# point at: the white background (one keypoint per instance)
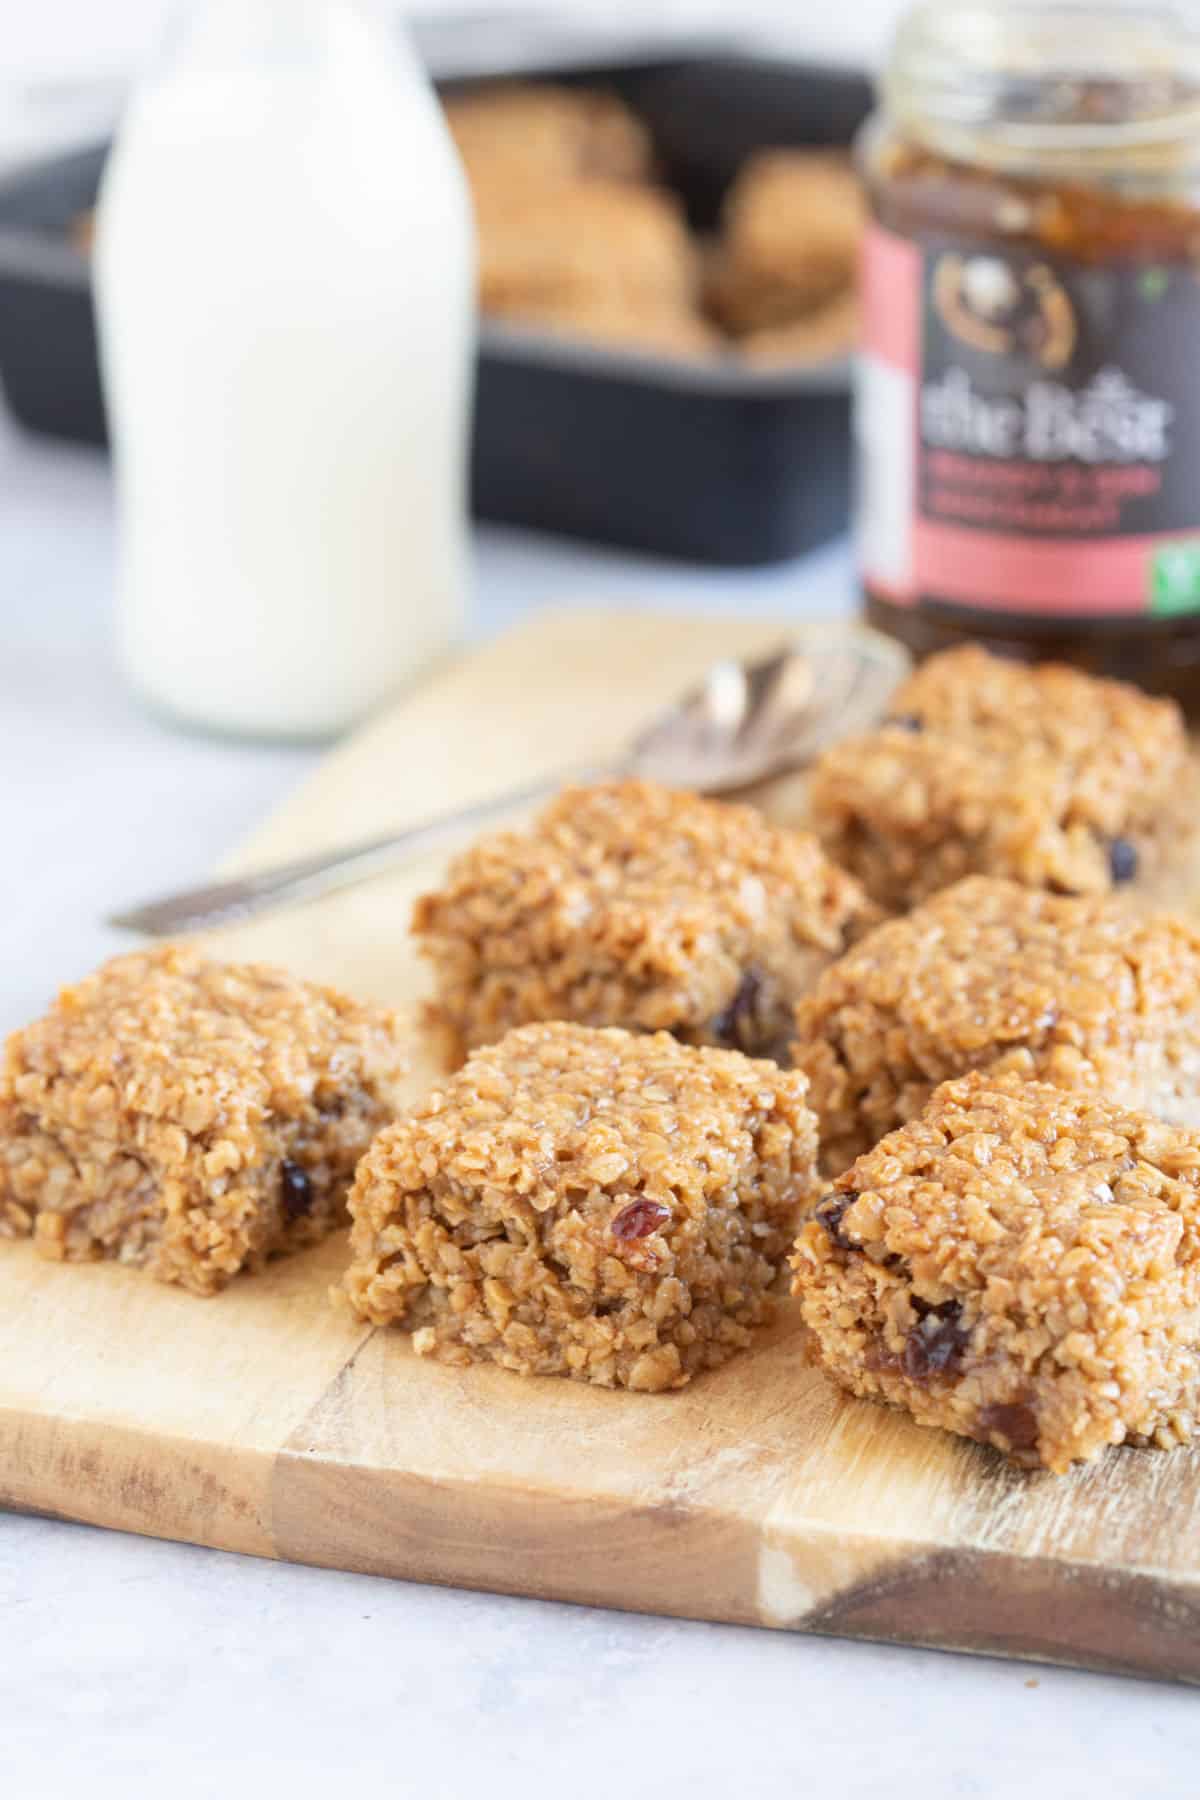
(54, 52)
(129, 1667)
(52, 38)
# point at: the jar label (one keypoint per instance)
(1029, 431)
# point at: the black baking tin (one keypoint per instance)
(701, 459)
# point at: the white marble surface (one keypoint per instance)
(129, 1667)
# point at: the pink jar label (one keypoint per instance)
(1029, 431)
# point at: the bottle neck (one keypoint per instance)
(270, 33)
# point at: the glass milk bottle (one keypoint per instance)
(285, 295)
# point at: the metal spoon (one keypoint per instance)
(745, 722)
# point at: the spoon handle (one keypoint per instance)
(308, 877)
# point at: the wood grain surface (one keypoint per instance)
(268, 1420)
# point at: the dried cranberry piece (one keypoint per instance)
(936, 1346)
(831, 1211)
(1013, 1419)
(1122, 859)
(640, 1218)
(736, 1024)
(297, 1190)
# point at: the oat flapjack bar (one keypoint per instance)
(598, 1204)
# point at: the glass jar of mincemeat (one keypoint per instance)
(1029, 402)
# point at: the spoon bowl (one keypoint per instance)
(743, 724)
(748, 722)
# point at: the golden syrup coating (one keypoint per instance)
(190, 1116)
(985, 766)
(988, 974)
(635, 905)
(1018, 1265)
(596, 1204)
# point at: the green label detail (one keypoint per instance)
(1175, 578)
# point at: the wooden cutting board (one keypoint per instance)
(268, 1421)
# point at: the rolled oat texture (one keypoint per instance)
(591, 1203)
(632, 905)
(1017, 1265)
(992, 975)
(1048, 776)
(189, 1116)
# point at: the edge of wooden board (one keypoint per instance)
(711, 1565)
(688, 1557)
(758, 1495)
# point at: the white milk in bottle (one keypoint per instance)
(285, 293)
